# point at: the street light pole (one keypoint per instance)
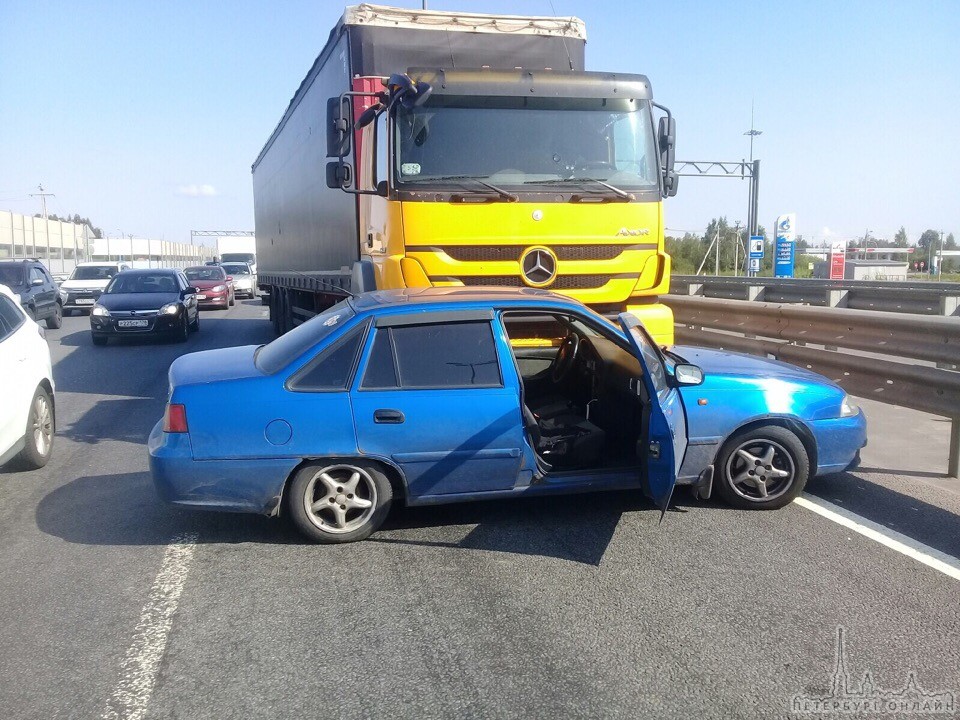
(752, 132)
(940, 259)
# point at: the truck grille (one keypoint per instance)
(500, 253)
(562, 282)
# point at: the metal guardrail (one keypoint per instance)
(783, 331)
(917, 298)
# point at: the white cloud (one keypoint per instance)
(196, 190)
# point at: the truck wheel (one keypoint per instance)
(264, 299)
(56, 320)
(40, 429)
(338, 503)
(762, 469)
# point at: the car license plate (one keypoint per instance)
(84, 301)
(132, 323)
(201, 297)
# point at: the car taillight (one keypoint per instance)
(175, 418)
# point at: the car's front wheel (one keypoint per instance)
(340, 502)
(762, 469)
(38, 441)
(55, 320)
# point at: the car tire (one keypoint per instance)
(183, 333)
(762, 469)
(41, 428)
(320, 501)
(232, 301)
(100, 340)
(195, 325)
(56, 320)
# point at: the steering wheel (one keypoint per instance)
(563, 363)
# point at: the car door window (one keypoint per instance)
(381, 372)
(446, 355)
(332, 369)
(35, 273)
(652, 360)
(10, 317)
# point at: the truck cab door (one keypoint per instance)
(666, 440)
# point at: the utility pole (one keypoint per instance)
(736, 251)
(752, 132)
(43, 199)
(940, 259)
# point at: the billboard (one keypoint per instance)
(783, 253)
(838, 257)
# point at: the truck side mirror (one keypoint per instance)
(338, 127)
(667, 140)
(339, 174)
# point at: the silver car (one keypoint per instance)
(244, 281)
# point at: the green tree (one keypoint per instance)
(900, 239)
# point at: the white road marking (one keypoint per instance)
(904, 545)
(138, 672)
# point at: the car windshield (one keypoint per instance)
(523, 142)
(142, 283)
(11, 275)
(289, 346)
(212, 272)
(235, 269)
(93, 272)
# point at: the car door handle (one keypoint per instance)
(388, 417)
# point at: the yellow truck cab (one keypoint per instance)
(506, 165)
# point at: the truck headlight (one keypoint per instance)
(847, 408)
(170, 309)
(99, 311)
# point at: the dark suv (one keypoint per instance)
(38, 292)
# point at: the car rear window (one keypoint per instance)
(285, 349)
(11, 275)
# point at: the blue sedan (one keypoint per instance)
(436, 395)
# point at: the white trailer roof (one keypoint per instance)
(385, 16)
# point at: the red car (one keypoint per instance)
(215, 286)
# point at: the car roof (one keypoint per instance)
(453, 298)
(151, 271)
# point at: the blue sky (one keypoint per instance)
(146, 116)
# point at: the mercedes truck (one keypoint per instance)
(428, 148)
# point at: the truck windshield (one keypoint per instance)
(524, 142)
(238, 257)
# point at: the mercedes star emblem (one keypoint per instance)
(539, 266)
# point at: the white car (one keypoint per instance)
(27, 420)
(244, 278)
(85, 284)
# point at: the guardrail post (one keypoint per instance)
(837, 298)
(756, 292)
(949, 304)
(953, 465)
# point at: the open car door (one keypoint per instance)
(667, 425)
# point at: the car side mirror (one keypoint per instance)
(188, 291)
(688, 375)
(37, 281)
(229, 278)
(667, 141)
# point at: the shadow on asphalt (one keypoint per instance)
(123, 509)
(926, 523)
(124, 419)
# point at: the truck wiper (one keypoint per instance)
(508, 196)
(580, 182)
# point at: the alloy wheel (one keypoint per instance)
(340, 498)
(760, 470)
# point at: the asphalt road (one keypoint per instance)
(579, 606)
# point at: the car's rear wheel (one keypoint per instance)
(339, 502)
(762, 469)
(38, 441)
(56, 320)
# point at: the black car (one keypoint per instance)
(145, 302)
(39, 294)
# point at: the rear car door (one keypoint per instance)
(14, 372)
(667, 426)
(431, 397)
